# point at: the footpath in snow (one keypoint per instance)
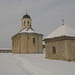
(34, 64)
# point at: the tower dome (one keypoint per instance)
(26, 16)
(26, 21)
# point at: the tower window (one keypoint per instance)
(28, 23)
(33, 40)
(24, 23)
(53, 50)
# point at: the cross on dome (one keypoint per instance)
(26, 11)
(62, 21)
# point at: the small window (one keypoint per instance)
(28, 23)
(53, 50)
(33, 40)
(28, 38)
(24, 23)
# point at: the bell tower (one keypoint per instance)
(26, 21)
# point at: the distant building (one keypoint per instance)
(60, 44)
(27, 40)
(5, 50)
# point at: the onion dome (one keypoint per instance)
(26, 16)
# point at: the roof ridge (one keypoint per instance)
(61, 31)
(30, 28)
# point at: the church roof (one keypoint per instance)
(29, 30)
(26, 16)
(63, 30)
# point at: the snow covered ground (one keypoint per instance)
(34, 64)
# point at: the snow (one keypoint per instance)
(5, 48)
(23, 30)
(33, 64)
(29, 30)
(61, 31)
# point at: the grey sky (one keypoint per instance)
(46, 16)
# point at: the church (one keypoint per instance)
(27, 40)
(60, 44)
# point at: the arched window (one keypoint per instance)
(24, 23)
(53, 50)
(28, 23)
(33, 40)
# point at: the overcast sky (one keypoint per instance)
(46, 16)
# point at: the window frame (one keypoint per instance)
(33, 40)
(28, 23)
(24, 23)
(53, 50)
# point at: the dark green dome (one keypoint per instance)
(26, 16)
